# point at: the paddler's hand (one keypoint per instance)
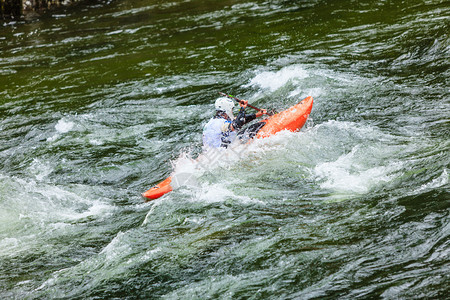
(243, 103)
(261, 112)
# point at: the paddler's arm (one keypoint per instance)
(261, 112)
(242, 119)
(251, 117)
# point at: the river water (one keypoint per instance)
(101, 101)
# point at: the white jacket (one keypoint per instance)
(217, 133)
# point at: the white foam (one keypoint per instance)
(96, 208)
(436, 183)
(112, 249)
(40, 169)
(49, 204)
(8, 245)
(349, 174)
(214, 193)
(301, 93)
(187, 169)
(53, 138)
(218, 192)
(150, 253)
(61, 127)
(64, 126)
(96, 142)
(275, 80)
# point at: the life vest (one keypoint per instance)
(217, 133)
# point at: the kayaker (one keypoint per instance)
(222, 129)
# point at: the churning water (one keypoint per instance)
(101, 101)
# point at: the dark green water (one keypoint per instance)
(100, 102)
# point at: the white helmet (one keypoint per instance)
(226, 105)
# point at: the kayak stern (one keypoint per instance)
(158, 190)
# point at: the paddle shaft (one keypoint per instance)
(239, 101)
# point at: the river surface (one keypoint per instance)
(101, 101)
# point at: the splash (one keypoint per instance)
(349, 174)
(64, 126)
(275, 80)
(442, 180)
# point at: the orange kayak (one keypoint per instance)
(158, 190)
(291, 119)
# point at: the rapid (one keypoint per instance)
(101, 101)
